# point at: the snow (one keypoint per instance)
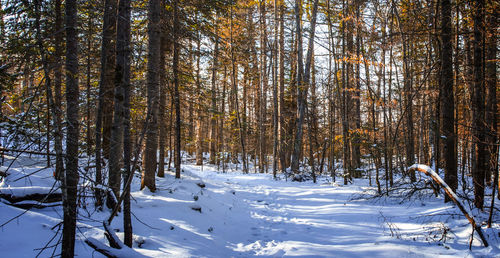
(247, 215)
(28, 190)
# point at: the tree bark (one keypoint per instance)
(153, 84)
(70, 181)
(347, 167)
(235, 93)
(357, 99)
(275, 91)
(478, 106)
(303, 78)
(104, 119)
(57, 90)
(213, 93)
(491, 87)
(448, 101)
(281, 115)
(123, 54)
(175, 67)
(263, 87)
(163, 94)
(199, 106)
(106, 89)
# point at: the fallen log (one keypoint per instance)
(429, 172)
(113, 239)
(101, 248)
(40, 194)
(36, 205)
(28, 152)
(39, 197)
(125, 252)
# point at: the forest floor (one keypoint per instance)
(242, 215)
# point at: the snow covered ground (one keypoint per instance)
(245, 215)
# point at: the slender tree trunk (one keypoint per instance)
(491, 87)
(163, 93)
(281, 114)
(199, 106)
(70, 181)
(221, 145)
(88, 81)
(103, 121)
(175, 68)
(153, 83)
(263, 86)
(384, 107)
(390, 131)
(410, 142)
(345, 103)
(106, 89)
(357, 100)
(213, 93)
(235, 93)
(303, 78)
(170, 147)
(297, 146)
(122, 84)
(123, 64)
(275, 91)
(448, 101)
(478, 106)
(57, 90)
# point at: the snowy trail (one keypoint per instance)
(277, 218)
(245, 215)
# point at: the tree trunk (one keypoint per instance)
(235, 93)
(297, 145)
(213, 93)
(104, 117)
(478, 106)
(88, 82)
(122, 83)
(347, 167)
(70, 181)
(357, 99)
(153, 83)
(123, 53)
(491, 87)
(448, 101)
(408, 102)
(107, 72)
(163, 94)
(175, 68)
(275, 91)
(199, 106)
(303, 78)
(57, 90)
(281, 115)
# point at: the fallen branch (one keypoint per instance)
(113, 239)
(39, 197)
(101, 248)
(111, 252)
(27, 151)
(30, 205)
(429, 172)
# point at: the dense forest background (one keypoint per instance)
(299, 88)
